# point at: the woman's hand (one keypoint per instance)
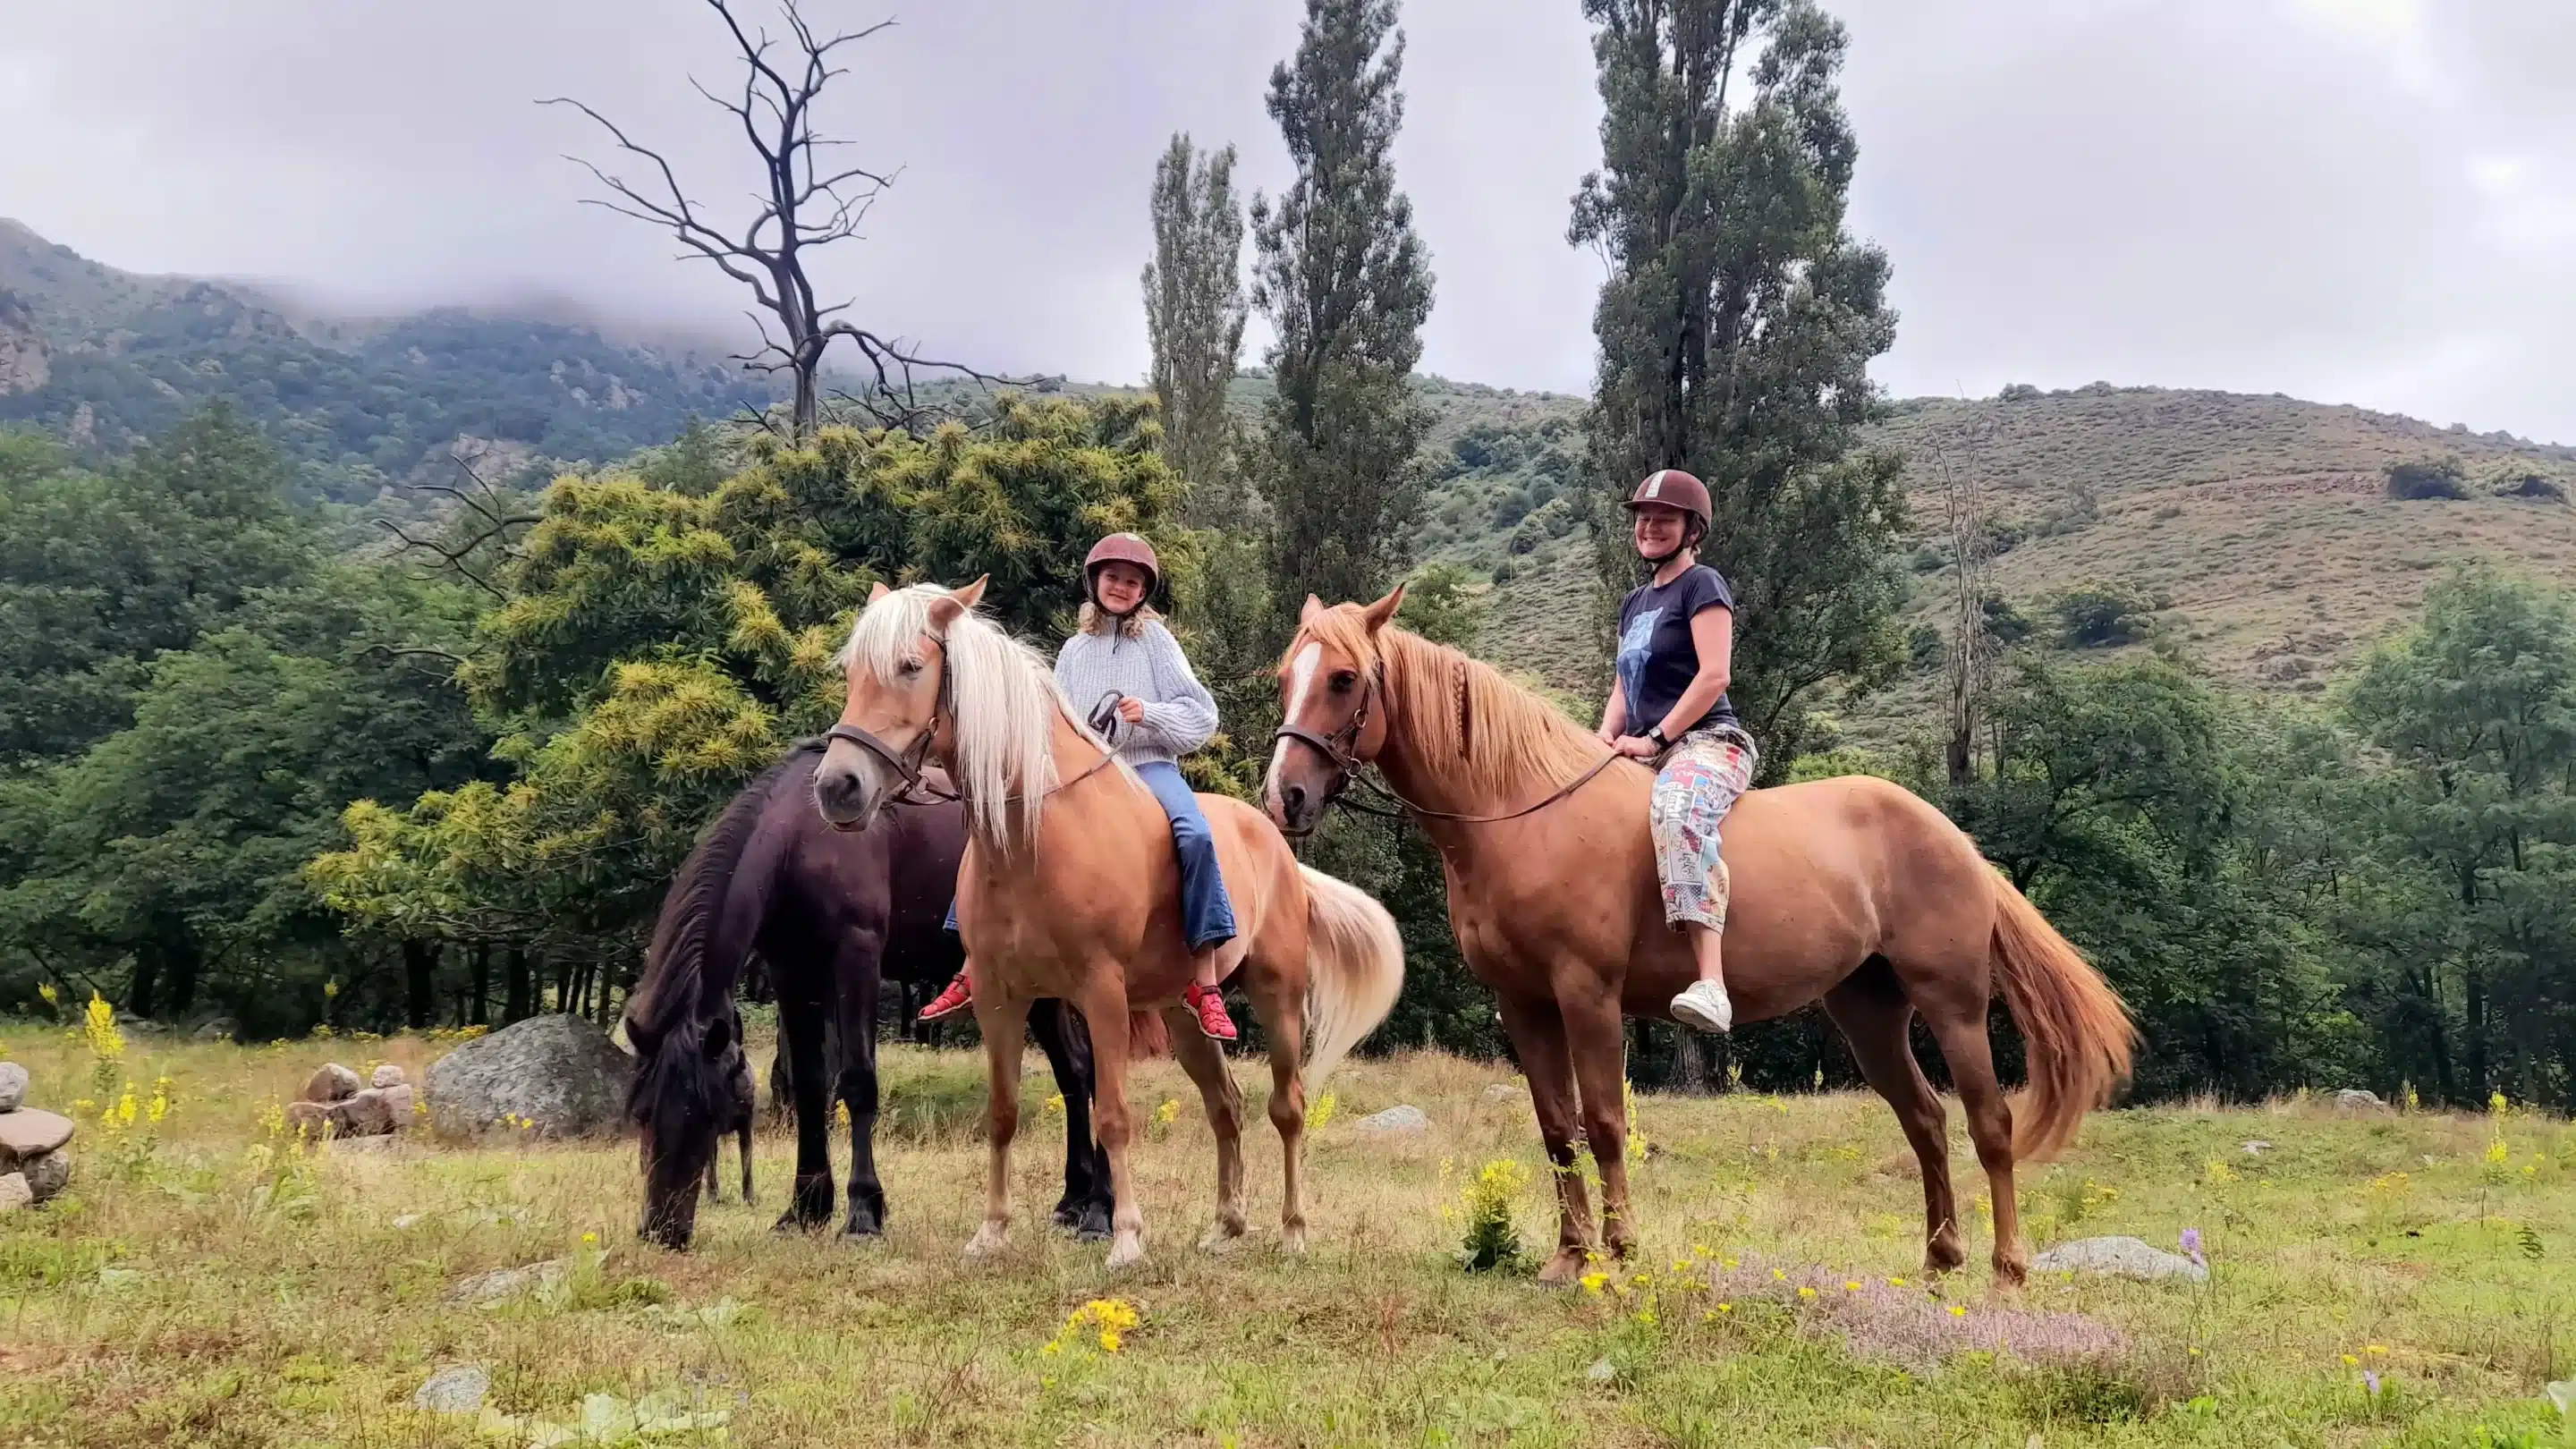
(1636, 747)
(1608, 737)
(1132, 710)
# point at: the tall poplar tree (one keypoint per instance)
(1194, 314)
(1346, 285)
(1736, 330)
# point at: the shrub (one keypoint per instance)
(2532, 485)
(2101, 618)
(1493, 1240)
(2425, 479)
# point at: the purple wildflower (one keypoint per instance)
(2371, 1378)
(2191, 1246)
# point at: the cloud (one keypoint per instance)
(2357, 200)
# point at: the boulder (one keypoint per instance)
(456, 1389)
(13, 1086)
(217, 1028)
(387, 1075)
(2117, 1258)
(15, 1193)
(364, 1115)
(2354, 1099)
(503, 1284)
(29, 1132)
(1403, 1121)
(308, 1118)
(49, 1174)
(1506, 1092)
(332, 1083)
(399, 1100)
(559, 1072)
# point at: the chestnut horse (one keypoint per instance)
(1852, 890)
(1070, 889)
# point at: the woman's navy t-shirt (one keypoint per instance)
(1657, 659)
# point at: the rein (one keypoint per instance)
(1341, 748)
(909, 764)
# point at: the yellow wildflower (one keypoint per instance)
(1319, 1113)
(1804, 1292)
(46, 990)
(1055, 1105)
(1851, 1285)
(1167, 1113)
(1592, 1281)
(2374, 1348)
(1726, 1308)
(2349, 1360)
(1958, 1311)
(1895, 1282)
(590, 1240)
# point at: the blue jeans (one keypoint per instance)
(1207, 913)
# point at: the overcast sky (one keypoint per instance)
(2368, 201)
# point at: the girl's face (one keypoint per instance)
(1120, 587)
(1658, 531)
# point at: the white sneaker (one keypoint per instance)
(1703, 1004)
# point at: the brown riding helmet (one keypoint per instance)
(1673, 488)
(1126, 548)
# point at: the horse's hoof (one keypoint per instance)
(865, 1229)
(1564, 1268)
(987, 1241)
(1093, 1226)
(1128, 1250)
(1292, 1238)
(1066, 1216)
(1221, 1237)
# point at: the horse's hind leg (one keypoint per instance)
(1201, 1058)
(1965, 1046)
(1278, 1000)
(1004, 1022)
(1538, 1036)
(1084, 1208)
(742, 1144)
(1874, 1016)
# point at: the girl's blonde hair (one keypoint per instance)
(1095, 620)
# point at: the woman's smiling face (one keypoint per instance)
(1658, 530)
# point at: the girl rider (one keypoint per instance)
(1676, 643)
(1122, 651)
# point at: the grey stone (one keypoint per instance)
(49, 1174)
(1602, 1371)
(1506, 1092)
(409, 1221)
(502, 1284)
(332, 1082)
(15, 1193)
(2257, 1147)
(30, 1132)
(1400, 1121)
(2117, 1258)
(456, 1389)
(13, 1086)
(387, 1075)
(560, 1072)
(399, 1100)
(217, 1028)
(310, 1119)
(2354, 1099)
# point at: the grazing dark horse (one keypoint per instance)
(830, 913)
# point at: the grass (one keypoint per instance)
(203, 1283)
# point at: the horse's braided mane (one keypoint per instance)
(1467, 722)
(676, 962)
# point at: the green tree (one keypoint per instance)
(1346, 285)
(1194, 316)
(1736, 330)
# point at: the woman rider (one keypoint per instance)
(1122, 652)
(1676, 643)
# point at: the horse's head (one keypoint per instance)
(681, 1098)
(896, 714)
(1332, 702)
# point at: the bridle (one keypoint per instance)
(912, 762)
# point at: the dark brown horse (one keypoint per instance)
(831, 913)
(1849, 891)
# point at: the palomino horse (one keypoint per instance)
(1852, 890)
(1070, 889)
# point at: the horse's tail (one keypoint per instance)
(1354, 970)
(2074, 1024)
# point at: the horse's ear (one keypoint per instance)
(971, 595)
(1383, 610)
(719, 1037)
(879, 591)
(1314, 608)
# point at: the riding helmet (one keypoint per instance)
(1672, 488)
(1126, 548)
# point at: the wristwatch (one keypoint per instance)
(1657, 735)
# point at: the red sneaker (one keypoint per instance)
(1210, 1004)
(959, 995)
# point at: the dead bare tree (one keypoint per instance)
(1971, 655)
(804, 203)
(478, 533)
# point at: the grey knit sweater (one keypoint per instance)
(1179, 712)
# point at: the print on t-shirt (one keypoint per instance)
(1635, 646)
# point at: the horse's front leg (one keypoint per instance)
(1003, 1019)
(809, 1201)
(858, 975)
(1102, 1000)
(1599, 1044)
(1538, 1037)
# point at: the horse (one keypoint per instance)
(1852, 890)
(829, 912)
(1070, 889)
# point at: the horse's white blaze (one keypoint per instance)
(1301, 678)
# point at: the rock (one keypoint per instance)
(332, 1083)
(399, 1100)
(1400, 1121)
(49, 1174)
(13, 1086)
(456, 1389)
(560, 1072)
(311, 1118)
(217, 1028)
(15, 1193)
(1506, 1092)
(2117, 1258)
(2257, 1147)
(409, 1221)
(29, 1132)
(364, 1115)
(1601, 1372)
(387, 1075)
(2354, 1099)
(504, 1283)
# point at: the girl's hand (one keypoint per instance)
(1132, 710)
(1636, 747)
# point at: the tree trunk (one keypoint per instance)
(420, 979)
(143, 993)
(480, 1013)
(1690, 1064)
(515, 1008)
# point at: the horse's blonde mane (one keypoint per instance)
(1004, 700)
(1468, 726)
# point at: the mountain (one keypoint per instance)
(105, 357)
